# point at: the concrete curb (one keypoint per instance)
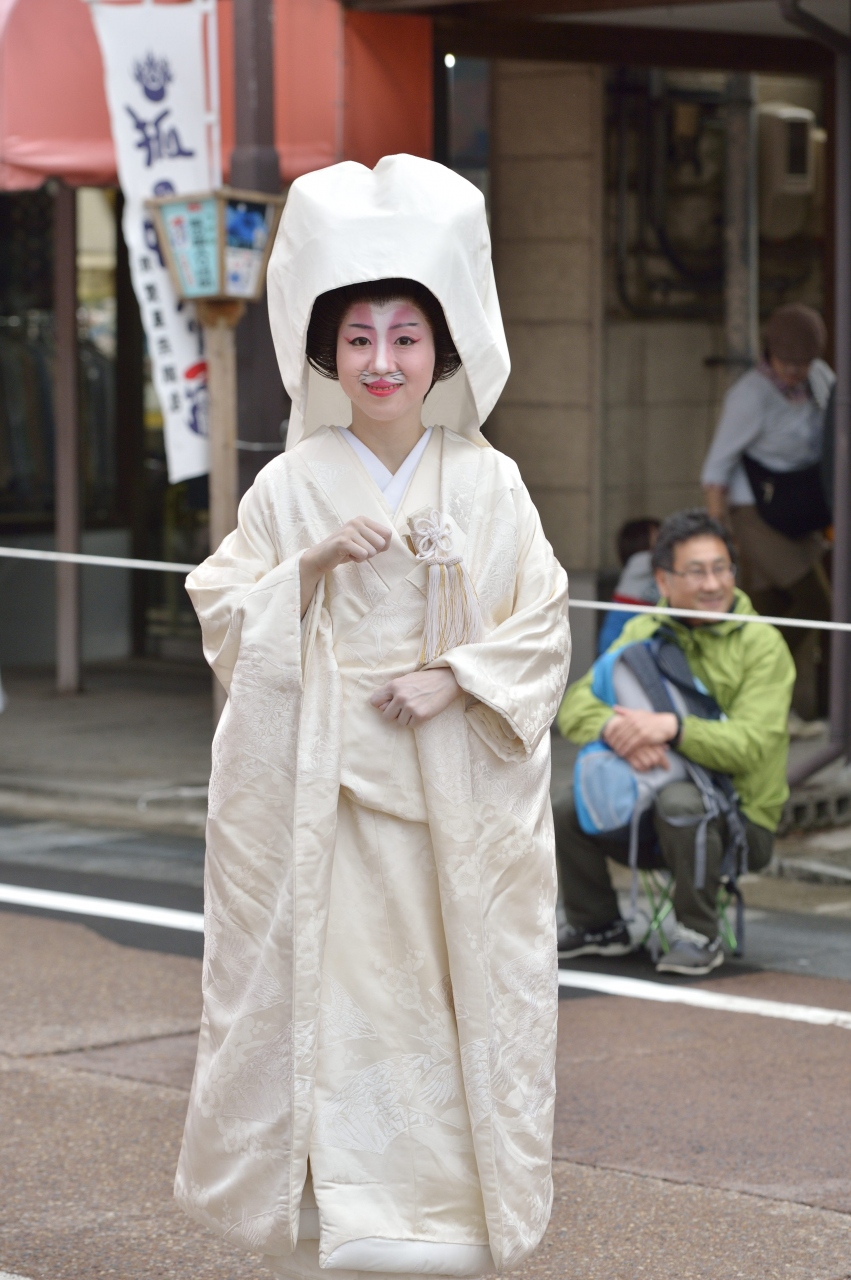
(104, 811)
(813, 870)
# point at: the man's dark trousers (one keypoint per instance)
(590, 900)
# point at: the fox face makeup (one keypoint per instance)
(385, 357)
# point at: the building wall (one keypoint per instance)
(546, 196)
(389, 86)
(546, 201)
(608, 419)
(660, 406)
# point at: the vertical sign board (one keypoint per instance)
(161, 74)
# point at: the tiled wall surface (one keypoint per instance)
(546, 175)
(607, 420)
(660, 406)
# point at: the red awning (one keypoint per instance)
(53, 116)
(353, 86)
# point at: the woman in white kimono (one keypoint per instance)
(375, 1079)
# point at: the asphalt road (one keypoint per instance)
(689, 1143)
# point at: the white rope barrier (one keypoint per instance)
(604, 606)
(109, 562)
(809, 624)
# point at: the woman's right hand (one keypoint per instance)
(358, 540)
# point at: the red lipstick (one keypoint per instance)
(381, 388)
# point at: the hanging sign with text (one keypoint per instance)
(163, 109)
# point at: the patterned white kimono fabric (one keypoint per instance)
(391, 1126)
(374, 1088)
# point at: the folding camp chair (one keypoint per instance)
(658, 886)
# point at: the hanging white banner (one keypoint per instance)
(163, 108)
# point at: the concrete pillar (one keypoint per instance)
(547, 206)
(67, 439)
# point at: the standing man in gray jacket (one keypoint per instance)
(763, 472)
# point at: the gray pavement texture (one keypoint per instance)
(132, 750)
(690, 1145)
(133, 855)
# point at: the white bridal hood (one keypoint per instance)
(406, 217)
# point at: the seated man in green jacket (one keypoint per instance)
(747, 668)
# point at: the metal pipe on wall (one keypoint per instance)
(741, 242)
(67, 438)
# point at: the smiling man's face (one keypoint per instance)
(702, 576)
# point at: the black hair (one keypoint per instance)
(634, 536)
(682, 526)
(330, 308)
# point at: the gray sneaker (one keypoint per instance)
(691, 954)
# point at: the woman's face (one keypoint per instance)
(385, 358)
(790, 372)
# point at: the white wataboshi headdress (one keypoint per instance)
(406, 217)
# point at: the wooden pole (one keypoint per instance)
(219, 320)
(67, 439)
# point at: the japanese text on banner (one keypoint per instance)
(164, 116)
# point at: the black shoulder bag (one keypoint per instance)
(792, 502)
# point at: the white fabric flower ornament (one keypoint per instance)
(432, 537)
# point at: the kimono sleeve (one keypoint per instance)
(234, 583)
(517, 674)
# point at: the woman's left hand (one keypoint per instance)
(417, 697)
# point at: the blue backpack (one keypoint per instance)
(611, 797)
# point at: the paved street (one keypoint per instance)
(133, 750)
(690, 1143)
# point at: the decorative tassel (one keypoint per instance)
(452, 615)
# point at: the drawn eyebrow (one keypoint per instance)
(403, 324)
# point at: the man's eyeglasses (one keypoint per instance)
(697, 574)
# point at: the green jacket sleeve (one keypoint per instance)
(581, 716)
(756, 719)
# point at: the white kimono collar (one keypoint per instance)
(392, 486)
